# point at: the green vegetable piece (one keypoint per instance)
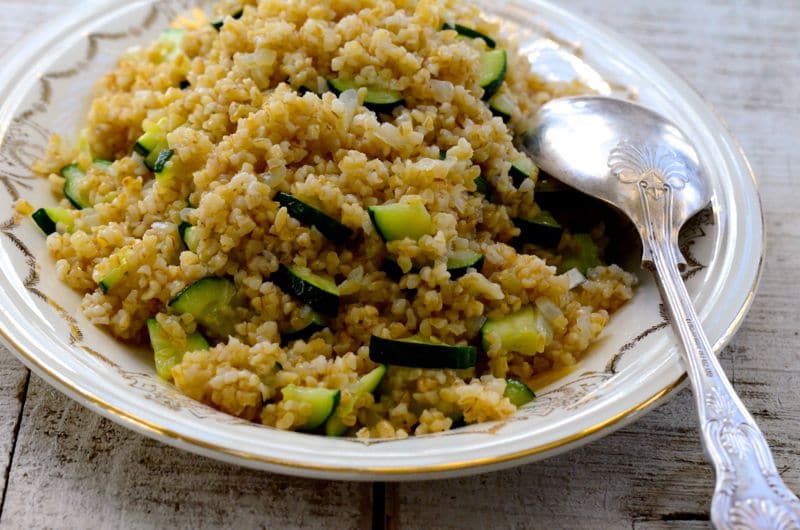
(323, 402)
(166, 353)
(47, 219)
(462, 261)
(482, 186)
(310, 216)
(526, 332)
(116, 275)
(502, 106)
(378, 99)
(518, 393)
(318, 292)
(210, 302)
(542, 230)
(367, 384)
(73, 180)
(314, 324)
(523, 169)
(493, 68)
(402, 220)
(582, 255)
(418, 353)
(188, 234)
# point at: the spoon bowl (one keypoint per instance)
(615, 150)
(641, 163)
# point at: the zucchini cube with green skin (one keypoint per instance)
(74, 178)
(323, 402)
(402, 220)
(115, 276)
(502, 106)
(462, 261)
(365, 385)
(166, 353)
(542, 230)
(523, 169)
(314, 323)
(47, 219)
(318, 292)
(188, 234)
(493, 69)
(310, 216)
(518, 393)
(582, 255)
(415, 352)
(526, 332)
(377, 99)
(210, 302)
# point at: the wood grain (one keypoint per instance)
(73, 469)
(69, 468)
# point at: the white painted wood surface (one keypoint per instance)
(65, 467)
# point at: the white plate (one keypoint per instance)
(44, 88)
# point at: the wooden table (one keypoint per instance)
(65, 467)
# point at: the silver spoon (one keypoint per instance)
(641, 163)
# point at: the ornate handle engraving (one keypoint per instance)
(749, 492)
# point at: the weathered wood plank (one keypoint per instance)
(73, 469)
(742, 57)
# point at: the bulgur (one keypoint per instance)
(245, 112)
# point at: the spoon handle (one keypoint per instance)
(749, 492)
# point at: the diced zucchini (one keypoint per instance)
(518, 393)
(526, 332)
(482, 186)
(167, 354)
(172, 37)
(151, 139)
(442, 154)
(471, 33)
(502, 106)
(116, 275)
(310, 216)
(523, 169)
(402, 220)
(318, 292)
(493, 68)
(463, 260)
(323, 402)
(210, 302)
(378, 99)
(314, 323)
(366, 385)
(418, 353)
(48, 218)
(73, 179)
(542, 230)
(188, 234)
(582, 254)
(218, 23)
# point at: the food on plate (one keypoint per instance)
(318, 216)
